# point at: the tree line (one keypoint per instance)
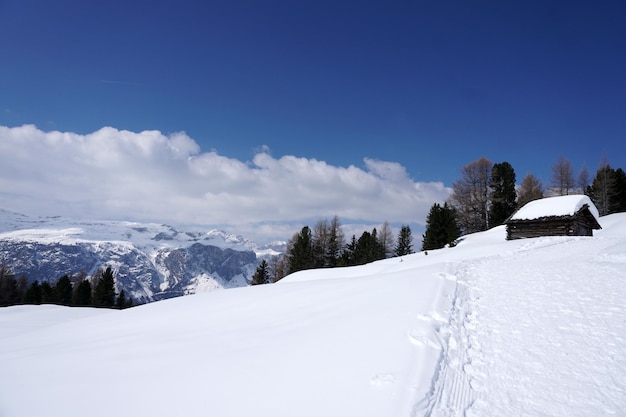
(325, 246)
(79, 290)
(486, 195)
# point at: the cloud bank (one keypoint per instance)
(148, 176)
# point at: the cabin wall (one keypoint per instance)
(561, 227)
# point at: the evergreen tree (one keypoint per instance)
(608, 190)
(9, 294)
(63, 291)
(261, 276)
(82, 294)
(602, 190)
(441, 227)
(48, 296)
(301, 254)
(104, 293)
(22, 287)
(123, 302)
(348, 256)
(503, 194)
(620, 191)
(405, 242)
(367, 249)
(33, 294)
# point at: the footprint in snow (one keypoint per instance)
(419, 337)
(380, 380)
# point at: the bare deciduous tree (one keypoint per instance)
(583, 180)
(530, 189)
(385, 237)
(470, 196)
(563, 176)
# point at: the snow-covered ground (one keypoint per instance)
(533, 327)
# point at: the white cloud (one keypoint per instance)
(118, 174)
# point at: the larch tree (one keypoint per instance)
(563, 176)
(385, 238)
(470, 196)
(530, 189)
(583, 180)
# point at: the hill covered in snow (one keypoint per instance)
(530, 327)
(152, 261)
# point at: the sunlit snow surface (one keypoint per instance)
(532, 327)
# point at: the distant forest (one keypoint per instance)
(80, 291)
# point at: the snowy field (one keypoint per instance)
(533, 327)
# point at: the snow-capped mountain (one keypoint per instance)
(152, 261)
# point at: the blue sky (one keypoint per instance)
(427, 85)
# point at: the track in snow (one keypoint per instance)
(453, 388)
(546, 315)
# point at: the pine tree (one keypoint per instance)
(619, 199)
(503, 193)
(104, 293)
(367, 249)
(301, 253)
(63, 291)
(602, 190)
(9, 294)
(441, 227)
(261, 276)
(608, 190)
(48, 295)
(348, 256)
(405, 242)
(33, 293)
(82, 294)
(123, 302)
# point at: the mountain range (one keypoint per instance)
(151, 261)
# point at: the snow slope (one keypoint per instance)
(491, 327)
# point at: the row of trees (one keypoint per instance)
(99, 291)
(324, 246)
(486, 195)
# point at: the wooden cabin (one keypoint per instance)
(570, 215)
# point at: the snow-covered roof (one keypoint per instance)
(566, 205)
